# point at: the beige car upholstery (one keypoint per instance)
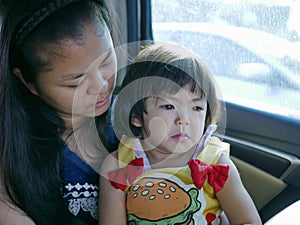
(265, 187)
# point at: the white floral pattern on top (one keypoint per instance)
(82, 197)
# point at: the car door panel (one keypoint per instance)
(271, 161)
(267, 129)
(269, 169)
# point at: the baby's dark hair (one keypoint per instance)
(160, 69)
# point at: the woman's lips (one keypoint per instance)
(102, 102)
(181, 137)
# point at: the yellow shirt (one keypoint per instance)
(169, 195)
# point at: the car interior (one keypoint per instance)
(265, 143)
(263, 132)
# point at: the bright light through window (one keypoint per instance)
(252, 47)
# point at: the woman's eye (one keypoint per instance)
(107, 63)
(77, 84)
(167, 107)
(197, 108)
(74, 86)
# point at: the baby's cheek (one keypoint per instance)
(157, 131)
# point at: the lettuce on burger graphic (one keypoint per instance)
(160, 201)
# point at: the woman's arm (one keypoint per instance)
(12, 216)
(111, 201)
(235, 200)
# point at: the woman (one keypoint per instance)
(58, 69)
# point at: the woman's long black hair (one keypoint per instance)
(30, 130)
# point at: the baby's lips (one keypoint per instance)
(181, 136)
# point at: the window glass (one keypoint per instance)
(251, 46)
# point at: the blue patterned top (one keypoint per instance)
(81, 187)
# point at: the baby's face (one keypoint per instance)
(174, 122)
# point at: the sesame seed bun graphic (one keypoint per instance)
(153, 200)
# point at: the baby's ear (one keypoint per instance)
(135, 121)
(30, 86)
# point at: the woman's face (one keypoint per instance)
(82, 80)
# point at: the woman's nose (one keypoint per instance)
(98, 85)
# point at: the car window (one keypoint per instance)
(212, 50)
(251, 47)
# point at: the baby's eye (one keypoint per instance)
(167, 107)
(197, 108)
